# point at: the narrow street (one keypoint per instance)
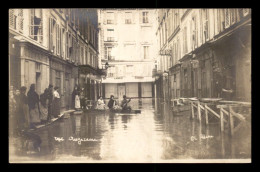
(144, 85)
(154, 135)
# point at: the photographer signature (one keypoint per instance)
(202, 136)
(78, 140)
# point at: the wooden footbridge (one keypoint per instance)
(231, 115)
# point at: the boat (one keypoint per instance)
(133, 111)
(180, 105)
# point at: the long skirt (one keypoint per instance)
(25, 117)
(77, 102)
(44, 112)
(35, 115)
(56, 107)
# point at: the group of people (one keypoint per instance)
(29, 110)
(112, 103)
(78, 98)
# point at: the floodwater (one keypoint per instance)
(154, 135)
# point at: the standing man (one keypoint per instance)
(49, 100)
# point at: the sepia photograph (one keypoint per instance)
(129, 85)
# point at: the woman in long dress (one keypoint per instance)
(56, 103)
(77, 102)
(33, 103)
(74, 93)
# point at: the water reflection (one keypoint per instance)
(155, 134)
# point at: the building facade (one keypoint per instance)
(48, 46)
(128, 44)
(208, 51)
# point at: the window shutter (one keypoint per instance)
(227, 18)
(20, 22)
(51, 34)
(11, 18)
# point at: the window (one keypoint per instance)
(58, 79)
(206, 23)
(185, 48)
(145, 17)
(110, 17)
(128, 18)
(110, 35)
(174, 77)
(129, 70)
(36, 25)
(109, 53)
(194, 32)
(146, 52)
(38, 67)
(58, 43)
(81, 55)
(111, 72)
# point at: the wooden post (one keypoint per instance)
(206, 114)
(192, 110)
(221, 120)
(199, 114)
(231, 123)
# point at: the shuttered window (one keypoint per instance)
(12, 19)
(58, 39)
(227, 18)
(20, 20)
(145, 17)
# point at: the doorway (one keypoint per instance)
(38, 82)
(121, 90)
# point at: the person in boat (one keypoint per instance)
(124, 103)
(100, 103)
(112, 104)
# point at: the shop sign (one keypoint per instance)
(57, 66)
(166, 52)
(35, 55)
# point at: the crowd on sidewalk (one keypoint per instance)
(27, 111)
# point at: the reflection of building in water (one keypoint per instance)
(140, 141)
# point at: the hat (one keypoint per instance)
(23, 88)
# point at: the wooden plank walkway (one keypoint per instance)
(226, 112)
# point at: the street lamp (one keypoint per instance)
(106, 65)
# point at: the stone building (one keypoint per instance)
(47, 46)
(209, 51)
(127, 43)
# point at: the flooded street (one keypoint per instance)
(154, 135)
